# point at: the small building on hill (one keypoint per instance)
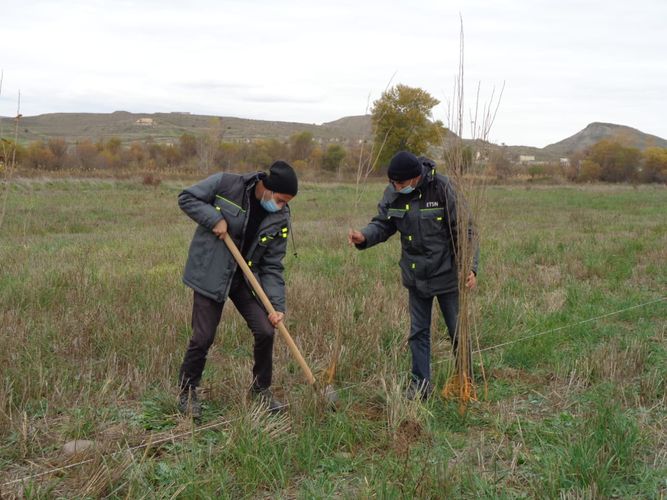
(145, 122)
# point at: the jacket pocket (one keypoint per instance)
(226, 206)
(200, 256)
(398, 213)
(432, 220)
(432, 213)
(401, 218)
(266, 238)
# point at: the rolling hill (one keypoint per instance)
(167, 127)
(597, 131)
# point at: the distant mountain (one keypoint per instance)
(167, 127)
(597, 131)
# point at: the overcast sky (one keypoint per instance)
(564, 63)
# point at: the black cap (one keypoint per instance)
(404, 166)
(281, 179)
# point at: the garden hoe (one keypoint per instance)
(329, 394)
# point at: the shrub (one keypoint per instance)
(654, 167)
(589, 171)
(151, 180)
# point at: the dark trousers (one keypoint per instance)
(206, 315)
(420, 329)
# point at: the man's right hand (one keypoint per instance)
(220, 229)
(355, 237)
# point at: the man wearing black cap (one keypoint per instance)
(421, 206)
(253, 209)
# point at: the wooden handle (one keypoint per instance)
(269, 307)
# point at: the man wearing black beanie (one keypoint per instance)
(421, 205)
(282, 179)
(253, 209)
(404, 166)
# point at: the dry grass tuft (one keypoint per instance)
(548, 276)
(614, 363)
(277, 427)
(555, 300)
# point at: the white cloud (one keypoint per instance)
(564, 63)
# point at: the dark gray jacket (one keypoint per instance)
(210, 266)
(426, 220)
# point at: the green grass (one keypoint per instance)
(94, 322)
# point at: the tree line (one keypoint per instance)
(191, 153)
(401, 119)
(610, 161)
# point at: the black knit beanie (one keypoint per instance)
(404, 166)
(281, 179)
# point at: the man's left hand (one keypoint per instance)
(276, 317)
(471, 281)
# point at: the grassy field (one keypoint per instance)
(94, 321)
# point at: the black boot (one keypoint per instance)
(188, 403)
(264, 396)
(418, 390)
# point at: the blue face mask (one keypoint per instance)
(269, 205)
(405, 190)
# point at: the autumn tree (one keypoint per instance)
(38, 155)
(171, 156)
(84, 154)
(229, 155)
(333, 157)
(572, 168)
(314, 160)
(618, 163)
(277, 150)
(58, 149)
(10, 151)
(654, 165)
(589, 171)
(136, 154)
(500, 163)
(259, 156)
(113, 145)
(207, 145)
(301, 145)
(402, 120)
(187, 143)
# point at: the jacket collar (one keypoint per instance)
(251, 178)
(428, 174)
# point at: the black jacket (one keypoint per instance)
(427, 222)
